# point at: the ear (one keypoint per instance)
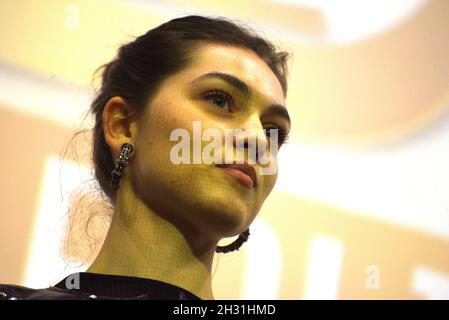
(118, 125)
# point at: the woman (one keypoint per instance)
(168, 217)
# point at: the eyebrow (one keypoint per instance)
(275, 109)
(233, 81)
(279, 110)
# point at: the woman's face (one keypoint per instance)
(202, 197)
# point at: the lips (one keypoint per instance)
(243, 168)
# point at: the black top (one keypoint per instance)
(84, 285)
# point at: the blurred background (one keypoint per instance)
(361, 206)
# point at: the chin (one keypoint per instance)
(221, 216)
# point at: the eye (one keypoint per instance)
(219, 98)
(282, 135)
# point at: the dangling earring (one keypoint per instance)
(234, 245)
(120, 164)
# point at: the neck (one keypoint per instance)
(142, 244)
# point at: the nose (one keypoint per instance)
(252, 141)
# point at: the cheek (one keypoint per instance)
(153, 167)
(269, 182)
(159, 122)
(152, 140)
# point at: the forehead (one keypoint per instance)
(239, 62)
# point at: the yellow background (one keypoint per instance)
(364, 180)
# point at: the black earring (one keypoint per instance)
(234, 245)
(120, 165)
